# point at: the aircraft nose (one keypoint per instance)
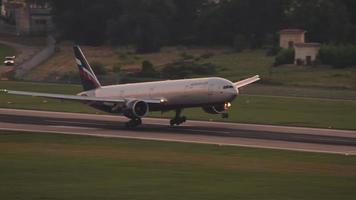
(233, 93)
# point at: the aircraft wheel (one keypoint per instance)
(133, 123)
(178, 121)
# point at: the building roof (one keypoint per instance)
(301, 45)
(292, 31)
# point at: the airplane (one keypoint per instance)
(136, 100)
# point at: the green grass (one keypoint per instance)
(22, 102)
(286, 111)
(236, 66)
(45, 166)
(335, 114)
(314, 76)
(6, 51)
(295, 91)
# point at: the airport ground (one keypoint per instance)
(257, 109)
(105, 168)
(51, 166)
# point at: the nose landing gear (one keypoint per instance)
(178, 120)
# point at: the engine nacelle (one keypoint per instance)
(217, 109)
(136, 109)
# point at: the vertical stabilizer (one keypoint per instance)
(87, 76)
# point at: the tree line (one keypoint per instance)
(150, 24)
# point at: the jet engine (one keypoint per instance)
(217, 109)
(136, 109)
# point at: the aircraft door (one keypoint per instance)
(152, 92)
(122, 94)
(187, 91)
(213, 91)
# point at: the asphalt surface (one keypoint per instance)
(231, 134)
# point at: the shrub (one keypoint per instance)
(187, 56)
(69, 77)
(273, 50)
(185, 69)
(285, 56)
(123, 56)
(338, 56)
(116, 68)
(147, 69)
(98, 68)
(11, 75)
(240, 43)
(207, 55)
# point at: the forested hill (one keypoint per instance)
(149, 24)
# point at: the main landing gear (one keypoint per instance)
(178, 120)
(133, 123)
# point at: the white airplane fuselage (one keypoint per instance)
(176, 93)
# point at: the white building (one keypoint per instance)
(289, 37)
(31, 17)
(306, 53)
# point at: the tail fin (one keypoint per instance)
(87, 76)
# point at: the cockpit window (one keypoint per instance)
(228, 86)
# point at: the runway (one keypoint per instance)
(218, 133)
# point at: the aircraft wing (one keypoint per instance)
(247, 81)
(77, 98)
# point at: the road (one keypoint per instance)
(218, 133)
(24, 52)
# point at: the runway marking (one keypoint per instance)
(71, 122)
(158, 124)
(73, 119)
(252, 127)
(206, 131)
(180, 141)
(73, 127)
(304, 98)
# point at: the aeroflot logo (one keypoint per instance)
(84, 72)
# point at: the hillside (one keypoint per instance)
(231, 65)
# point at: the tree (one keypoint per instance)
(351, 7)
(148, 70)
(98, 68)
(149, 24)
(285, 56)
(325, 20)
(256, 20)
(84, 21)
(142, 23)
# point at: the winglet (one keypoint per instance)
(247, 81)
